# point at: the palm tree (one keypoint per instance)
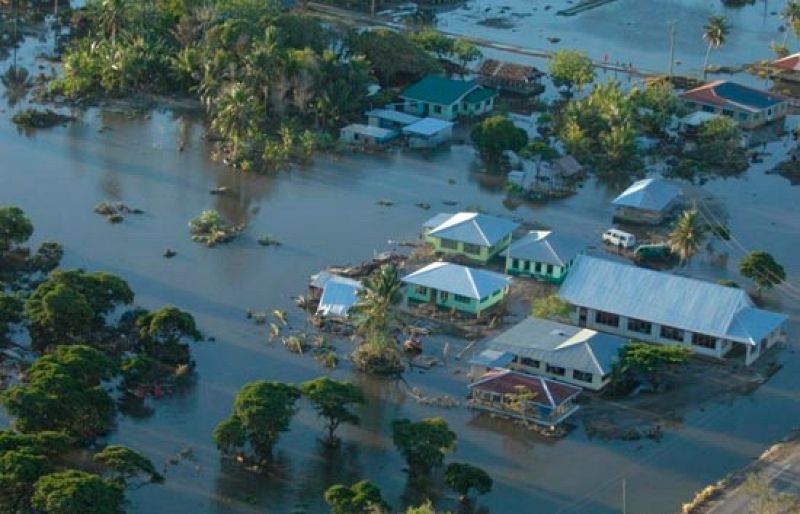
(687, 235)
(381, 290)
(791, 16)
(715, 32)
(17, 82)
(112, 16)
(236, 115)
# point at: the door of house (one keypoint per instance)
(582, 315)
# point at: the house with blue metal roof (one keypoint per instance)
(750, 107)
(447, 99)
(650, 201)
(476, 236)
(451, 286)
(543, 254)
(339, 294)
(575, 355)
(660, 307)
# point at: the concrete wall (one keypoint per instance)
(483, 256)
(554, 274)
(448, 301)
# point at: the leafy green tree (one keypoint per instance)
(163, 331)
(332, 400)
(571, 69)
(660, 99)
(648, 360)
(462, 478)
(433, 41)
(23, 459)
(15, 227)
(495, 135)
(394, 58)
(762, 269)
(235, 116)
(791, 16)
(112, 16)
(71, 304)
(687, 235)
(423, 444)
(359, 498)
(551, 307)
(465, 52)
(77, 492)
(63, 393)
(126, 463)
(381, 291)
(261, 411)
(425, 508)
(11, 308)
(715, 33)
(539, 149)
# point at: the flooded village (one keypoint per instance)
(476, 257)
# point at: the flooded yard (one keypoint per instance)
(329, 214)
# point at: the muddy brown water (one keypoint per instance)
(329, 214)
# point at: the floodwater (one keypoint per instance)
(329, 214)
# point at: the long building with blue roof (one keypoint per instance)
(660, 307)
(750, 107)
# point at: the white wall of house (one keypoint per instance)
(719, 350)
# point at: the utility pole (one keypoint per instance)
(672, 33)
(624, 498)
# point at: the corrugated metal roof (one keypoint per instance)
(727, 93)
(651, 194)
(427, 127)
(664, 298)
(393, 116)
(475, 228)
(754, 324)
(549, 393)
(338, 296)
(370, 130)
(439, 90)
(320, 279)
(437, 220)
(457, 279)
(561, 345)
(545, 246)
(492, 359)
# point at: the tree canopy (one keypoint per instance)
(571, 69)
(332, 400)
(70, 304)
(23, 459)
(424, 443)
(15, 227)
(462, 478)
(63, 393)
(126, 463)
(360, 498)
(162, 332)
(687, 235)
(77, 492)
(762, 269)
(261, 411)
(495, 135)
(648, 360)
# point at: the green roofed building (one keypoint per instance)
(447, 99)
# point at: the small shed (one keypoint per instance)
(511, 77)
(390, 119)
(525, 397)
(339, 294)
(428, 133)
(649, 201)
(367, 135)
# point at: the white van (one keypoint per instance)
(616, 237)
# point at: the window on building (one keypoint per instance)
(549, 269)
(471, 248)
(704, 341)
(462, 299)
(437, 109)
(515, 263)
(606, 318)
(538, 267)
(708, 108)
(421, 290)
(449, 244)
(691, 105)
(637, 325)
(727, 112)
(556, 370)
(743, 116)
(443, 296)
(672, 333)
(531, 363)
(581, 375)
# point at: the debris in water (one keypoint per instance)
(169, 253)
(268, 240)
(385, 203)
(222, 190)
(281, 316)
(424, 206)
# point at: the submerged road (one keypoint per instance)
(365, 21)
